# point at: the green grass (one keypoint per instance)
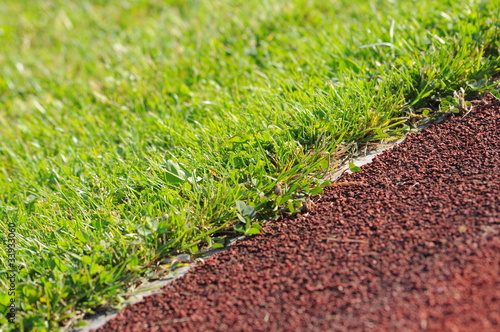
(133, 130)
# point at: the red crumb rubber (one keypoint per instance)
(413, 245)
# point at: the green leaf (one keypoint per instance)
(95, 268)
(60, 265)
(245, 210)
(325, 183)
(194, 249)
(152, 223)
(241, 218)
(448, 101)
(293, 187)
(173, 173)
(280, 200)
(293, 205)
(238, 139)
(106, 276)
(317, 190)
(353, 168)
(86, 259)
(133, 261)
(323, 164)
(144, 230)
(253, 231)
(249, 211)
(173, 178)
(31, 292)
(240, 205)
(495, 94)
(82, 236)
(239, 228)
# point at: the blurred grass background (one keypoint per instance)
(133, 130)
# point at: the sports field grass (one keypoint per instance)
(133, 130)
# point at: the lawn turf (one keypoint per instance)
(133, 130)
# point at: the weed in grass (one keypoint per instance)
(134, 131)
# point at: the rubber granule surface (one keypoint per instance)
(413, 245)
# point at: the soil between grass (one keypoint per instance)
(412, 246)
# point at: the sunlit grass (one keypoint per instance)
(133, 130)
